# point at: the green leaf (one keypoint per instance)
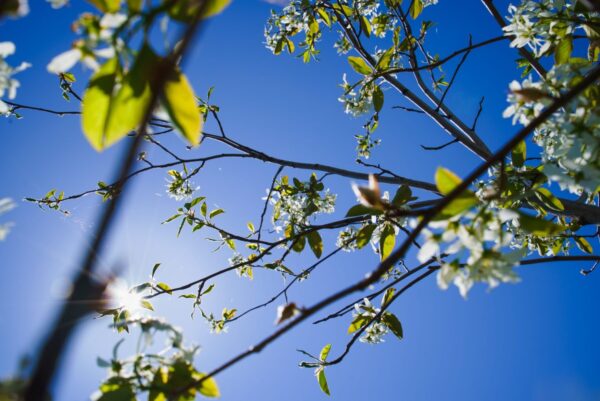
(384, 61)
(133, 99)
(358, 323)
(179, 101)
(563, 50)
(209, 387)
(446, 180)
(387, 241)
(216, 212)
(316, 243)
(107, 6)
(359, 210)
(299, 244)
(165, 287)
(519, 154)
(387, 297)
(402, 196)
(359, 65)
(155, 268)
(462, 203)
(171, 218)
(364, 235)
(135, 5)
(325, 352)
(146, 304)
(539, 227)
(548, 199)
(378, 99)
(365, 25)
(123, 392)
(187, 10)
(97, 101)
(322, 380)
(392, 322)
(416, 8)
(324, 16)
(583, 244)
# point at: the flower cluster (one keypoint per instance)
(8, 85)
(357, 101)
(541, 25)
(179, 186)
(375, 332)
(347, 239)
(479, 238)
(295, 203)
(570, 138)
(244, 268)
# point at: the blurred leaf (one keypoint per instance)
(97, 102)
(179, 101)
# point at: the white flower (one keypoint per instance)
(112, 21)
(65, 61)
(8, 85)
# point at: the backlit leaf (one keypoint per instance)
(179, 101)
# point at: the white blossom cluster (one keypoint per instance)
(375, 332)
(347, 239)
(357, 101)
(243, 270)
(477, 237)
(540, 25)
(570, 139)
(290, 21)
(293, 208)
(179, 187)
(8, 84)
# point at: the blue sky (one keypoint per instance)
(535, 340)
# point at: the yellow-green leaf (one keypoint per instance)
(446, 180)
(563, 50)
(416, 8)
(387, 241)
(133, 99)
(96, 104)
(583, 244)
(323, 380)
(325, 352)
(392, 322)
(364, 235)
(539, 227)
(187, 10)
(358, 323)
(209, 387)
(359, 65)
(548, 199)
(107, 6)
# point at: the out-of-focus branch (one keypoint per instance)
(86, 292)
